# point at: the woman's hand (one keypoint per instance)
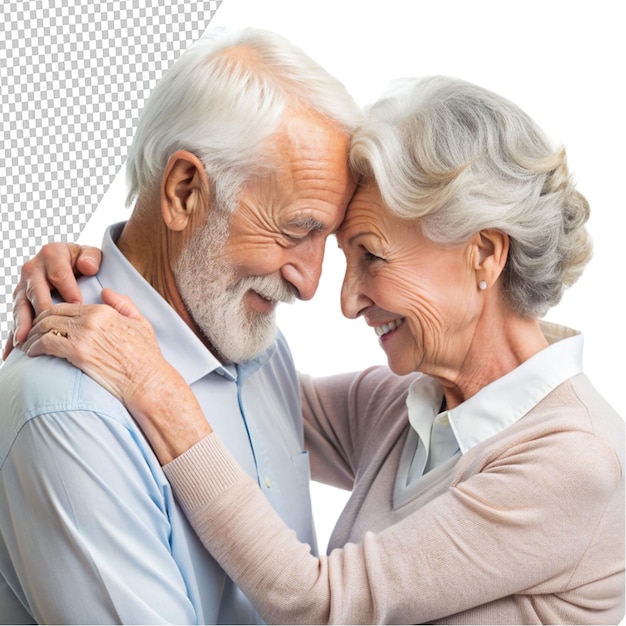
(116, 346)
(54, 267)
(111, 343)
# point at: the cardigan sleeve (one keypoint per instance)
(493, 533)
(341, 415)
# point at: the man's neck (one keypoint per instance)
(147, 247)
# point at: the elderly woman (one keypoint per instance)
(494, 491)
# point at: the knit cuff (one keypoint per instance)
(203, 472)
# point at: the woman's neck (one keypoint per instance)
(500, 344)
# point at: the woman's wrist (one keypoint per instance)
(170, 416)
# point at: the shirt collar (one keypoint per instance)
(505, 400)
(423, 403)
(179, 344)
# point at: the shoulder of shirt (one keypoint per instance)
(32, 387)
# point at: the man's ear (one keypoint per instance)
(491, 250)
(185, 191)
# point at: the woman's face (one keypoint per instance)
(419, 297)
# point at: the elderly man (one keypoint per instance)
(238, 173)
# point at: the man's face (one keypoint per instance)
(232, 275)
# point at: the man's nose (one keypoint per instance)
(303, 269)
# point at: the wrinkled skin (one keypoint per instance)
(51, 269)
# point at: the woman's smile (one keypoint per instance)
(387, 330)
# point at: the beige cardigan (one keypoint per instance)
(527, 527)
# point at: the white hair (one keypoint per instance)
(458, 159)
(222, 100)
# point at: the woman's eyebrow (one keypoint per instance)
(351, 240)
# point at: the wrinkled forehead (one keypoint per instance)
(364, 212)
(313, 169)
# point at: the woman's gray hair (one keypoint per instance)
(222, 100)
(459, 159)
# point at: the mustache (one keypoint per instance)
(270, 287)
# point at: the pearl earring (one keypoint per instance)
(482, 285)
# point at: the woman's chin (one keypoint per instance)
(400, 368)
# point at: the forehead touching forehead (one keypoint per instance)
(365, 210)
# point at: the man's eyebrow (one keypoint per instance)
(308, 224)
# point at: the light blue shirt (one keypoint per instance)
(494, 407)
(89, 529)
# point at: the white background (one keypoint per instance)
(563, 62)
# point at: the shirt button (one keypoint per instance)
(268, 482)
(443, 419)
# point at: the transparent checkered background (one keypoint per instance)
(73, 78)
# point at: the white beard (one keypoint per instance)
(215, 298)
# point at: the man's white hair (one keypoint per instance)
(222, 100)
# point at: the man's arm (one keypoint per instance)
(85, 515)
(54, 267)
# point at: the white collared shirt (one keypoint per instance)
(495, 407)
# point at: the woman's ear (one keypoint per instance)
(185, 191)
(491, 250)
